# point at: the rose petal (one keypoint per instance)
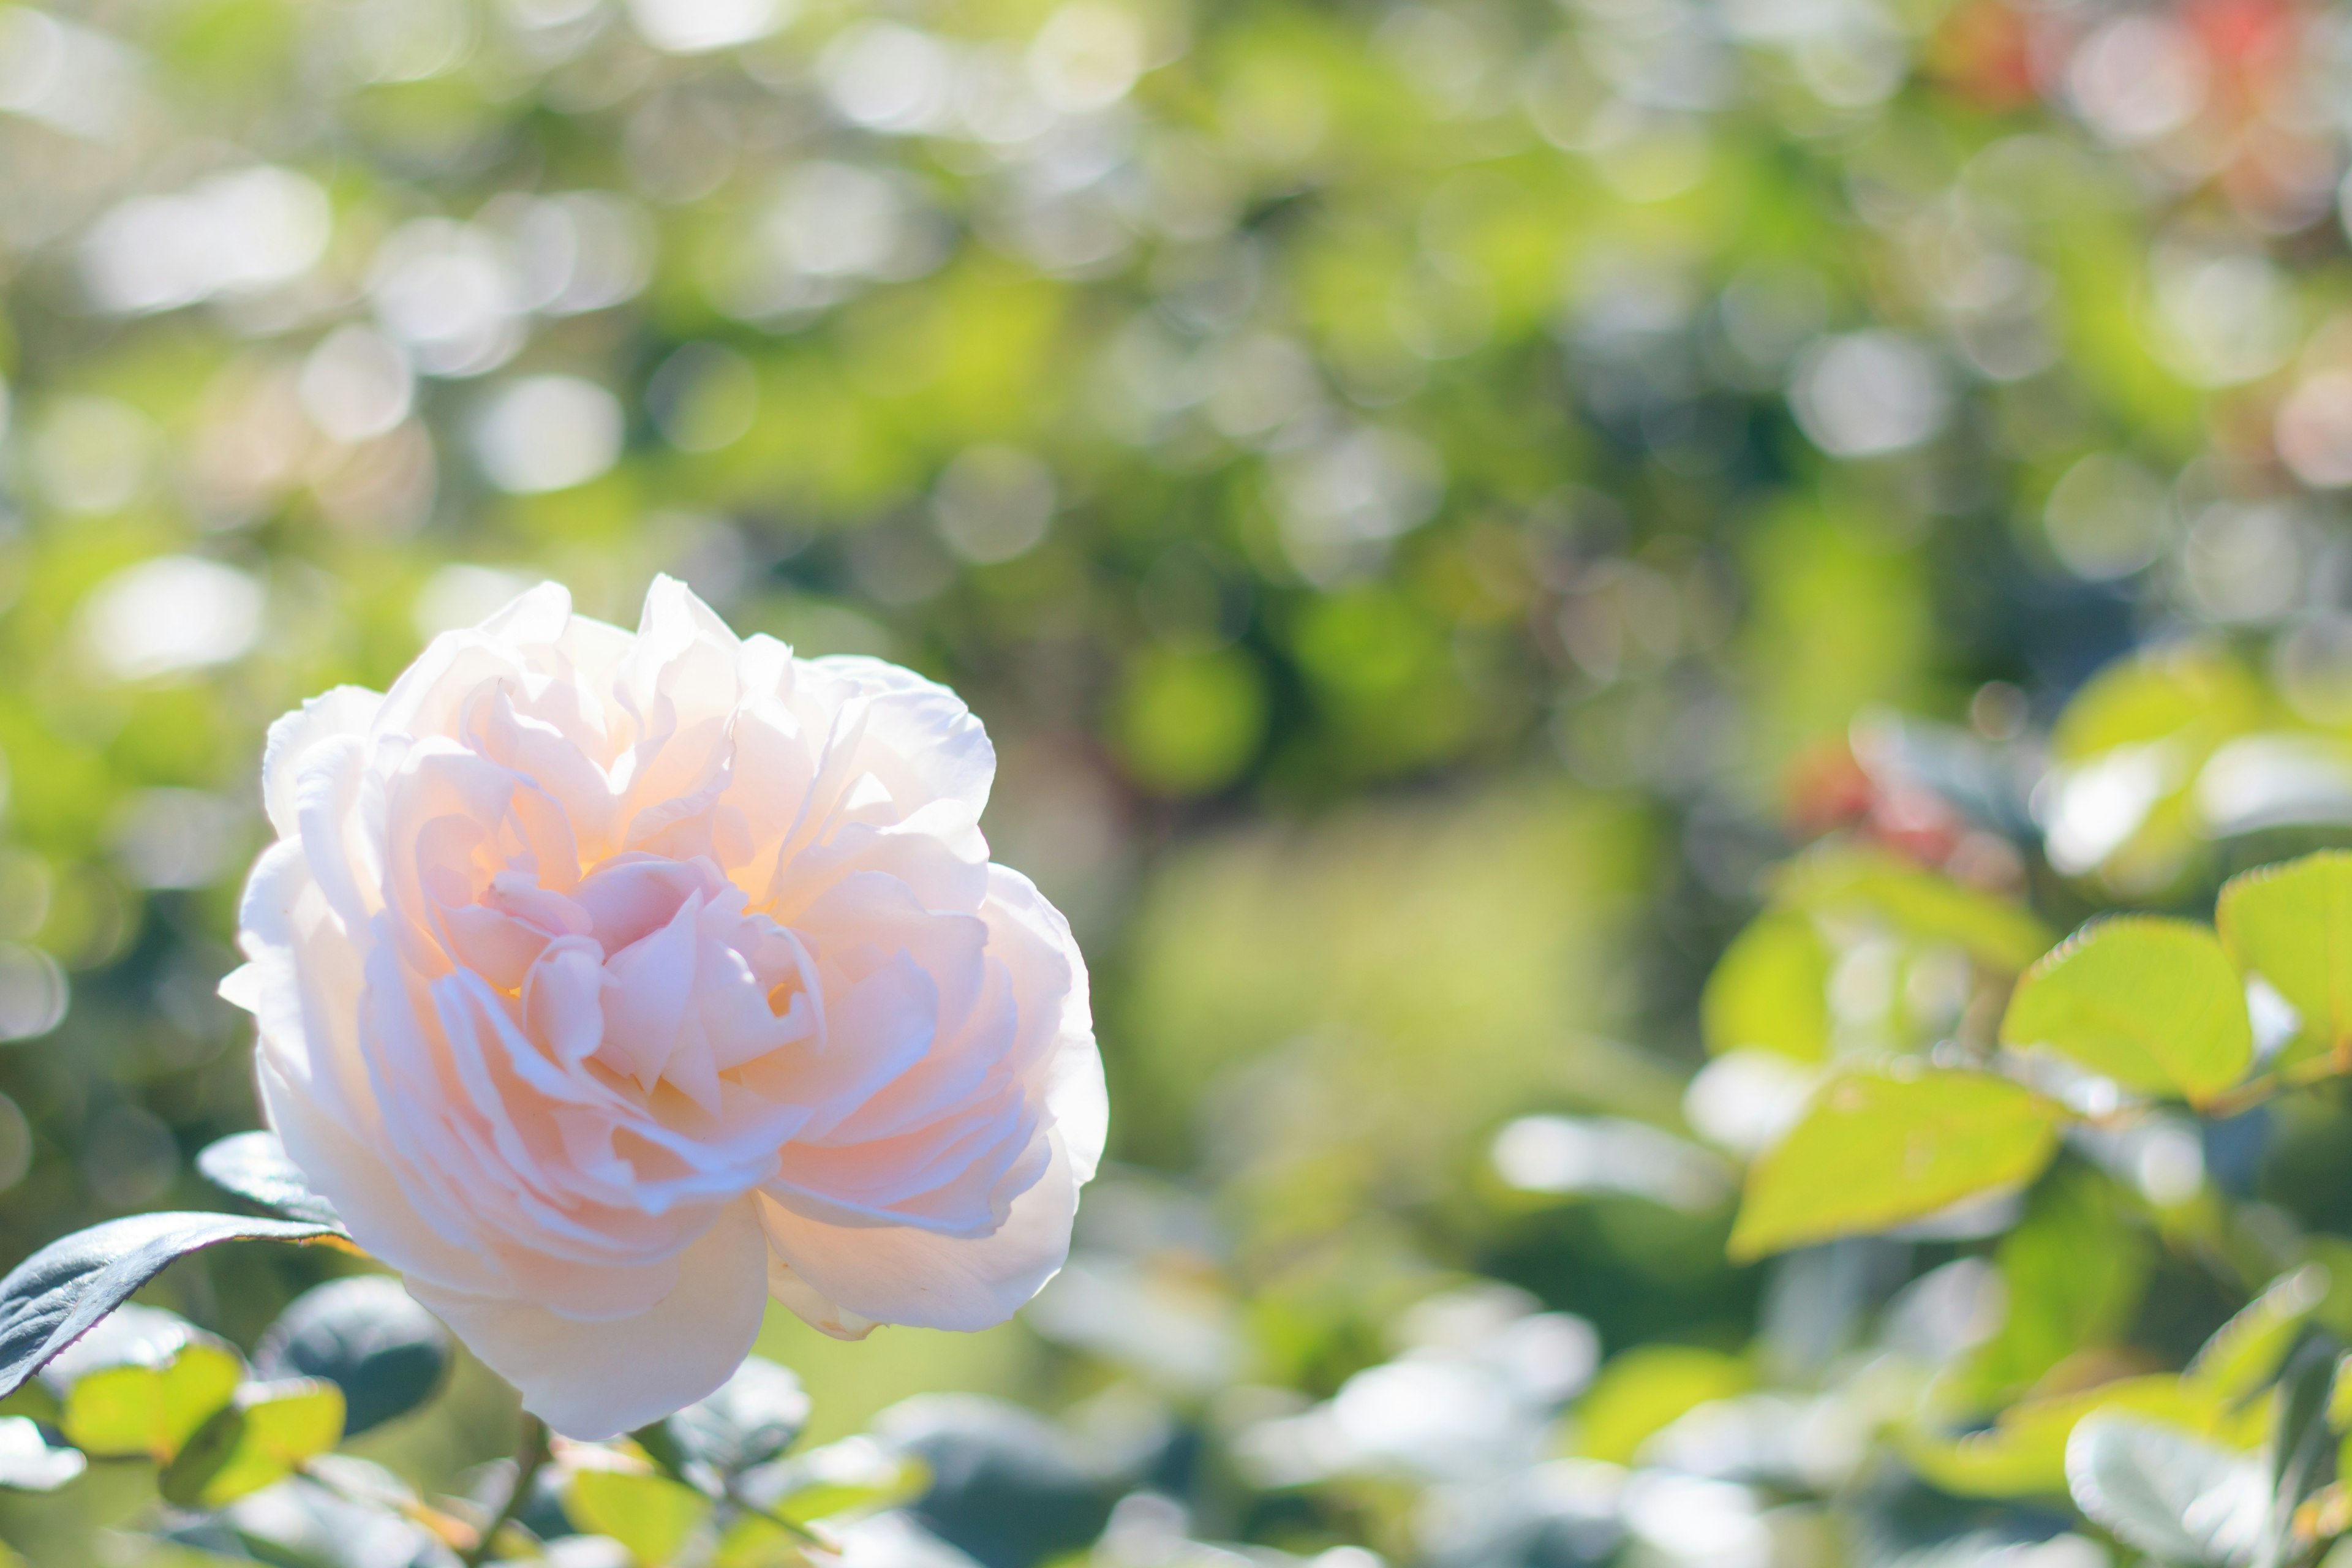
(595, 1380)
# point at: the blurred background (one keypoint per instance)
(1432, 500)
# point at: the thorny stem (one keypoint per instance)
(531, 1453)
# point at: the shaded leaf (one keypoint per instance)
(254, 1166)
(121, 1412)
(2244, 1355)
(1007, 1487)
(855, 1476)
(369, 1337)
(2299, 1445)
(2153, 1003)
(28, 1463)
(2292, 924)
(753, 1417)
(1874, 1152)
(59, 1293)
(270, 1431)
(1770, 991)
(653, 1516)
(2172, 1495)
(2024, 1452)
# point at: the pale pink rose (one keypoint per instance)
(610, 983)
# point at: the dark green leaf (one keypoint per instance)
(754, 1416)
(254, 1166)
(2178, 1497)
(1874, 1152)
(61, 1292)
(28, 1463)
(2153, 1003)
(1007, 1486)
(367, 1336)
(2301, 1444)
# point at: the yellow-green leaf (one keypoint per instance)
(2292, 924)
(2153, 1003)
(123, 1412)
(856, 1475)
(1873, 1152)
(1924, 904)
(1644, 1390)
(2024, 1452)
(1771, 990)
(753, 1541)
(653, 1516)
(272, 1430)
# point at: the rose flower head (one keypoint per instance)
(610, 983)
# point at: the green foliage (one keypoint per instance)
(2152, 1003)
(254, 1166)
(1770, 991)
(2292, 925)
(270, 1431)
(1397, 483)
(29, 1462)
(59, 1293)
(1645, 1390)
(1875, 1150)
(652, 1516)
(2178, 1499)
(365, 1335)
(119, 1412)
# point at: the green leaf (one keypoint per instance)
(753, 1417)
(1875, 1152)
(366, 1335)
(2299, 1446)
(653, 1516)
(2174, 1495)
(2153, 1003)
(270, 1431)
(2244, 1355)
(1770, 991)
(123, 1412)
(2292, 924)
(59, 1293)
(1843, 879)
(2023, 1453)
(254, 1166)
(1644, 1390)
(28, 1463)
(2074, 1272)
(856, 1474)
(753, 1541)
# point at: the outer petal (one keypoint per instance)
(895, 1275)
(345, 710)
(1018, 916)
(592, 1381)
